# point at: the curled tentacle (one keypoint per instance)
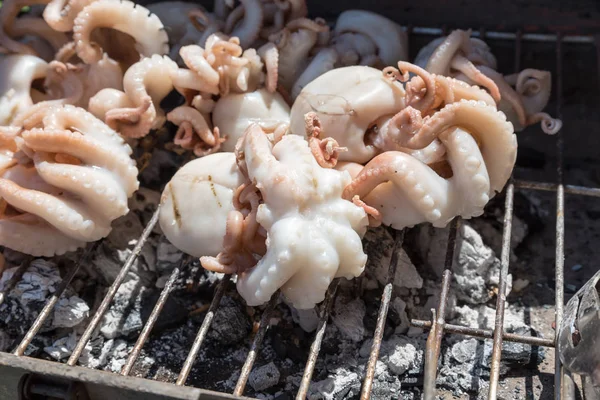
(420, 101)
(193, 126)
(326, 151)
(124, 16)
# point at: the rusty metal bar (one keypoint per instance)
(531, 37)
(164, 295)
(504, 263)
(560, 220)
(553, 187)
(501, 297)
(256, 343)
(315, 347)
(14, 279)
(112, 291)
(434, 339)
(210, 315)
(49, 306)
(485, 333)
(381, 317)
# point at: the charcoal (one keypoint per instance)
(264, 377)
(173, 312)
(5, 341)
(231, 323)
(348, 318)
(70, 312)
(378, 244)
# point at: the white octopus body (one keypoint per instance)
(313, 235)
(347, 102)
(234, 113)
(195, 204)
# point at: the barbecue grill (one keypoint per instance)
(23, 377)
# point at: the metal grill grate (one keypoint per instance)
(437, 325)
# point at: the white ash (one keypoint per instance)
(39, 280)
(348, 317)
(264, 377)
(124, 315)
(63, 347)
(70, 312)
(113, 252)
(399, 353)
(118, 356)
(476, 268)
(399, 306)
(334, 387)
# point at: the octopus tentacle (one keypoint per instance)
(124, 16)
(68, 216)
(463, 65)
(325, 151)
(270, 54)
(251, 25)
(389, 38)
(324, 61)
(549, 125)
(200, 76)
(8, 13)
(484, 122)
(87, 149)
(191, 121)
(441, 58)
(417, 100)
(18, 232)
(34, 26)
(146, 83)
(295, 42)
(61, 14)
(104, 196)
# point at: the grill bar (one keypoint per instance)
(485, 333)
(381, 317)
(553, 187)
(501, 296)
(210, 315)
(164, 295)
(256, 343)
(560, 221)
(112, 291)
(49, 306)
(434, 340)
(504, 263)
(315, 347)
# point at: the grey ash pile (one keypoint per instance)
(278, 370)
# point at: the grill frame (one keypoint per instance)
(15, 363)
